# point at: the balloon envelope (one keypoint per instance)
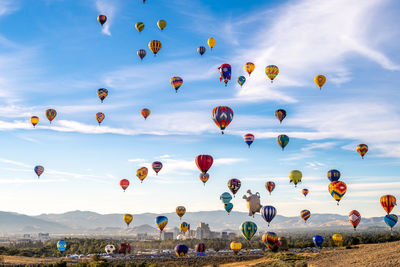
(318, 240)
(61, 246)
(161, 222)
(248, 229)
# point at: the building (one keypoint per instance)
(44, 237)
(203, 231)
(231, 235)
(191, 234)
(167, 235)
(224, 235)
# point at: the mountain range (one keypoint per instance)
(86, 222)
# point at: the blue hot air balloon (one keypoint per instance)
(333, 175)
(268, 213)
(390, 220)
(225, 197)
(318, 240)
(61, 246)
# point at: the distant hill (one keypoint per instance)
(95, 223)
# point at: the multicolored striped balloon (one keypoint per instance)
(270, 239)
(161, 222)
(333, 175)
(51, 114)
(176, 82)
(180, 211)
(391, 220)
(157, 166)
(388, 202)
(102, 93)
(362, 149)
(139, 26)
(305, 214)
(305, 192)
(248, 138)
(280, 114)
(271, 71)
(204, 178)
(100, 117)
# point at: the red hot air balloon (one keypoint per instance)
(388, 202)
(102, 19)
(204, 162)
(354, 218)
(124, 183)
(157, 166)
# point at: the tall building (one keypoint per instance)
(203, 231)
(167, 235)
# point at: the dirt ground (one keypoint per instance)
(385, 254)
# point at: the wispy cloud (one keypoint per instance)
(8, 6)
(108, 8)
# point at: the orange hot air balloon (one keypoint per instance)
(100, 117)
(249, 67)
(145, 113)
(388, 202)
(180, 211)
(204, 178)
(34, 120)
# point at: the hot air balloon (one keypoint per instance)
(390, 220)
(61, 246)
(34, 120)
(145, 112)
(333, 175)
(304, 192)
(181, 250)
(211, 42)
(228, 207)
(222, 117)
(161, 222)
(236, 246)
(204, 178)
(225, 70)
(124, 183)
(100, 117)
(280, 114)
(354, 218)
(271, 71)
(268, 213)
(201, 50)
(180, 211)
(249, 67)
(184, 227)
(144, 1)
(38, 170)
(320, 80)
(157, 166)
(142, 173)
(270, 239)
(141, 53)
(200, 248)
(282, 140)
(176, 82)
(318, 240)
(248, 138)
(102, 93)
(388, 202)
(225, 197)
(305, 214)
(102, 19)
(110, 249)
(337, 189)
(241, 80)
(51, 114)
(337, 239)
(155, 46)
(204, 163)
(270, 186)
(248, 229)
(362, 149)
(295, 177)
(161, 24)
(139, 26)
(128, 219)
(124, 248)
(234, 185)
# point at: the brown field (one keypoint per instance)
(385, 254)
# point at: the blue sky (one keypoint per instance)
(54, 54)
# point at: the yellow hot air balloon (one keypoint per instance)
(184, 227)
(139, 26)
(34, 120)
(337, 239)
(155, 46)
(320, 80)
(249, 67)
(161, 24)
(142, 173)
(295, 177)
(128, 219)
(211, 42)
(271, 71)
(236, 246)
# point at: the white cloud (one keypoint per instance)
(8, 6)
(108, 8)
